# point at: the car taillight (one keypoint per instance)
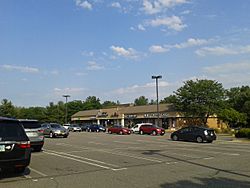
(205, 132)
(24, 145)
(40, 130)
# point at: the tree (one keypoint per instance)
(142, 100)
(200, 98)
(238, 98)
(107, 104)
(92, 103)
(7, 109)
(233, 117)
(169, 99)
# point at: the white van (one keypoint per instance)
(136, 128)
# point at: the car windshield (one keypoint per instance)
(10, 130)
(55, 125)
(31, 124)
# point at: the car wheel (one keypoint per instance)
(19, 170)
(120, 132)
(90, 130)
(65, 136)
(141, 132)
(175, 137)
(209, 141)
(109, 132)
(199, 139)
(98, 130)
(154, 133)
(51, 135)
(37, 148)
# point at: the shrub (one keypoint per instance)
(243, 133)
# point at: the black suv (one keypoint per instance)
(15, 151)
(194, 133)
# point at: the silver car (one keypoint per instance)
(54, 130)
(34, 132)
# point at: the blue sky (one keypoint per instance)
(111, 48)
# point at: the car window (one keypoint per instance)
(55, 125)
(31, 124)
(11, 130)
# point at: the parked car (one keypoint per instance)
(96, 128)
(136, 128)
(119, 130)
(194, 133)
(68, 127)
(151, 129)
(34, 132)
(75, 128)
(54, 130)
(15, 151)
(84, 127)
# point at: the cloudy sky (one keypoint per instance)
(111, 48)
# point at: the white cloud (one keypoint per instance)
(127, 53)
(173, 22)
(116, 5)
(192, 42)
(158, 49)
(223, 50)
(230, 74)
(239, 67)
(141, 27)
(84, 4)
(25, 69)
(70, 91)
(92, 65)
(158, 6)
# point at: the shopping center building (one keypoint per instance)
(129, 115)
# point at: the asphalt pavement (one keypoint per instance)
(93, 160)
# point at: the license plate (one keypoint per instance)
(31, 134)
(2, 148)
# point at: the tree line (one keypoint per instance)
(195, 99)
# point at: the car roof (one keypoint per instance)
(29, 120)
(7, 118)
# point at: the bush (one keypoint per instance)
(243, 133)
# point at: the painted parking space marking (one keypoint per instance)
(38, 172)
(84, 160)
(151, 159)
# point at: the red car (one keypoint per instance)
(151, 129)
(119, 130)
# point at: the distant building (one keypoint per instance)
(128, 115)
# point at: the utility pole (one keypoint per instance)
(66, 108)
(157, 100)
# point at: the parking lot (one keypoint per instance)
(103, 160)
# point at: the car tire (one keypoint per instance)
(90, 130)
(19, 170)
(199, 139)
(120, 132)
(65, 136)
(141, 132)
(97, 130)
(110, 132)
(38, 148)
(51, 135)
(175, 137)
(154, 133)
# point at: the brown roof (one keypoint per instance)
(117, 112)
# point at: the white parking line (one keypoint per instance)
(116, 153)
(62, 155)
(38, 172)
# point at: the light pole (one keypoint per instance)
(157, 100)
(66, 108)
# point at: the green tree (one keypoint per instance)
(200, 98)
(7, 109)
(169, 99)
(91, 103)
(142, 100)
(107, 104)
(239, 99)
(233, 117)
